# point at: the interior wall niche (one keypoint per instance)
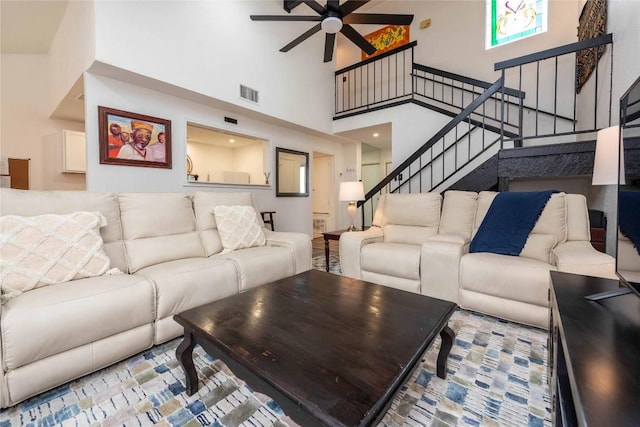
(224, 157)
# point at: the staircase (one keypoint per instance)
(490, 121)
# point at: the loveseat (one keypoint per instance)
(420, 243)
(169, 257)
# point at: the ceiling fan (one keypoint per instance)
(333, 18)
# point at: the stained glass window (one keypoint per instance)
(511, 20)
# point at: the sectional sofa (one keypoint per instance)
(165, 254)
(420, 243)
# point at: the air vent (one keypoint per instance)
(248, 94)
(80, 97)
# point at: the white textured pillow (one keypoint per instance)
(238, 227)
(48, 249)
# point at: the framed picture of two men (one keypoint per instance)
(132, 139)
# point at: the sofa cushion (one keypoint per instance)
(458, 213)
(186, 283)
(53, 319)
(511, 277)
(392, 259)
(412, 235)
(422, 210)
(203, 204)
(49, 249)
(157, 228)
(553, 219)
(539, 246)
(238, 227)
(259, 265)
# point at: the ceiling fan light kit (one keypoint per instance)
(331, 25)
(336, 18)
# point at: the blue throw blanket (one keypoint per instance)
(508, 222)
(629, 216)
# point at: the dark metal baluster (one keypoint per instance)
(537, 93)
(595, 92)
(555, 96)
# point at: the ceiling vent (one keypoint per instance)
(248, 94)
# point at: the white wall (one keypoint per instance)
(27, 131)
(211, 47)
(455, 41)
(293, 213)
(209, 160)
(250, 159)
(412, 126)
(72, 50)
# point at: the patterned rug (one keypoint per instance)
(319, 263)
(496, 377)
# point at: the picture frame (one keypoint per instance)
(132, 139)
(591, 24)
(386, 39)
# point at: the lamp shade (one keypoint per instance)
(608, 165)
(351, 191)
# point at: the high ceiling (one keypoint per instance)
(27, 26)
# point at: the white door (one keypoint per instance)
(321, 191)
(371, 176)
(322, 184)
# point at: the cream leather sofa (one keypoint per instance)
(420, 243)
(168, 246)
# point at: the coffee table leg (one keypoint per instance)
(447, 336)
(326, 253)
(184, 354)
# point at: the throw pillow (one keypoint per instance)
(48, 249)
(238, 227)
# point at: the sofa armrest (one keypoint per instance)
(351, 244)
(580, 257)
(440, 266)
(298, 243)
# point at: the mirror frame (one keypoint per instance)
(629, 124)
(306, 174)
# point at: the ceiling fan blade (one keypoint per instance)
(302, 38)
(329, 43)
(378, 18)
(357, 39)
(315, 6)
(352, 5)
(285, 18)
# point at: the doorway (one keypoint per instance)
(322, 193)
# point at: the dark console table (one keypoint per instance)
(594, 354)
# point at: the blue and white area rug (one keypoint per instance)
(320, 263)
(496, 377)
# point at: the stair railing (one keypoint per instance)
(456, 145)
(550, 75)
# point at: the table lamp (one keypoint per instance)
(351, 191)
(608, 165)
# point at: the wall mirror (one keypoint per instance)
(628, 249)
(292, 173)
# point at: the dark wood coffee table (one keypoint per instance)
(330, 350)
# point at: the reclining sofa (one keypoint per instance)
(420, 243)
(169, 251)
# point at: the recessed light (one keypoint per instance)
(375, 135)
(232, 141)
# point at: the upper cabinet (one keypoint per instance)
(74, 152)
